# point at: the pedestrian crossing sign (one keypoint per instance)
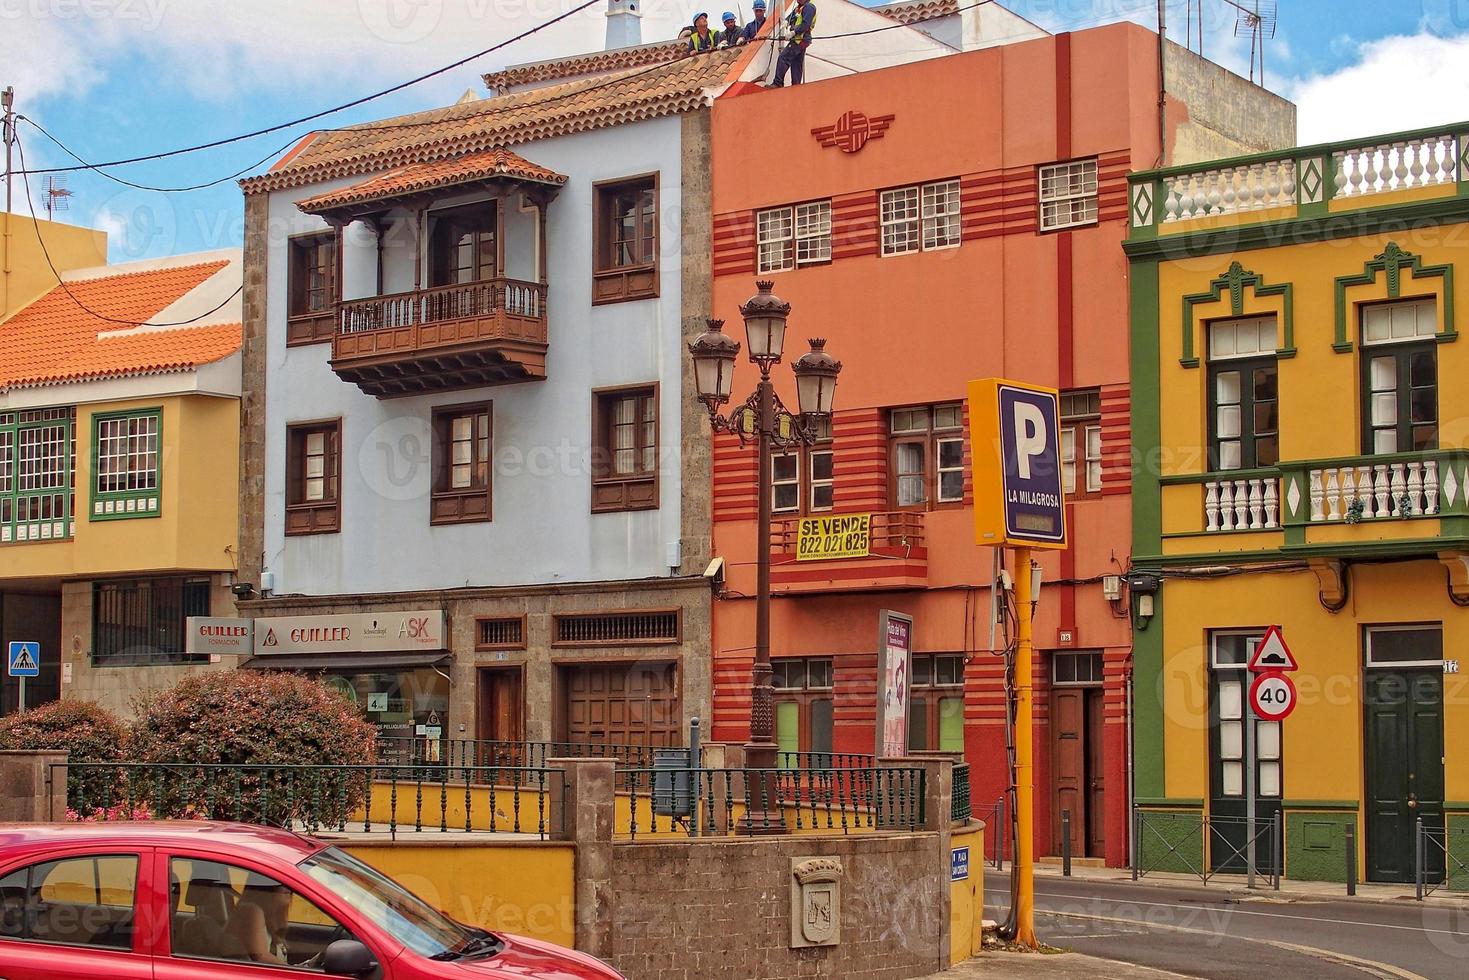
(25, 659)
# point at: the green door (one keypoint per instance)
(1405, 779)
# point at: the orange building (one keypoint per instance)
(949, 219)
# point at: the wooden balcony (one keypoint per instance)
(463, 336)
(895, 556)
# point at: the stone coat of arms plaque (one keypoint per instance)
(816, 902)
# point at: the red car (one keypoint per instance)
(208, 901)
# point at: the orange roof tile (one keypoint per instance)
(471, 167)
(55, 340)
(557, 110)
(915, 11)
(595, 63)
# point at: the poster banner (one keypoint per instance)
(894, 663)
(843, 536)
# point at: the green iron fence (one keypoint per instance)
(961, 809)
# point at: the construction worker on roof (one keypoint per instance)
(801, 20)
(703, 40)
(732, 34)
(753, 27)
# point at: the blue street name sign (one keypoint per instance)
(959, 864)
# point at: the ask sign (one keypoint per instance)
(1015, 431)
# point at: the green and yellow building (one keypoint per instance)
(1301, 440)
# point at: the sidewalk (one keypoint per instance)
(1054, 965)
(1235, 886)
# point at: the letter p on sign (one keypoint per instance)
(1030, 436)
(1015, 442)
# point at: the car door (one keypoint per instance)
(77, 914)
(218, 902)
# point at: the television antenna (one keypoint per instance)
(57, 196)
(1257, 18)
(1193, 26)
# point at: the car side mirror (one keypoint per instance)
(348, 958)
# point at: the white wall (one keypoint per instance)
(543, 529)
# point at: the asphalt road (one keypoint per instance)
(1211, 933)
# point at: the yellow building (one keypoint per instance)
(1302, 460)
(119, 461)
(26, 244)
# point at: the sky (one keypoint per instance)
(120, 78)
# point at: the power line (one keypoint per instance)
(41, 241)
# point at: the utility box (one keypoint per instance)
(673, 784)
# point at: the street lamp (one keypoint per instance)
(762, 418)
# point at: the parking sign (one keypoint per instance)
(1015, 432)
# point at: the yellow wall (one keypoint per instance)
(525, 888)
(24, 273)
(199, 500)
(966, 898)
(1322, 740)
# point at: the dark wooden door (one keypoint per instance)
(501, 705)
(1405, 778)
(1096, 786)
(1069, 764)
(621, 704)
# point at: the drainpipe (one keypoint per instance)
(1131, 785)
(1162, 85)
(7, 102)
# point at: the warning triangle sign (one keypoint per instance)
(22, 661)
(1272, 653)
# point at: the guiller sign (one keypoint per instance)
(398, 631)
(217, 636)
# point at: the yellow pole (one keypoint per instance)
(1024, 756)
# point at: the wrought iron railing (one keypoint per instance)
(371, 799)
(1440, 857)
(897, 530)
(734, 802)
(961, 809)
(396, 750)
(825, 760)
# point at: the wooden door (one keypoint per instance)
(501, 705)
(1405, 779)
(1068, 765)
(621, 704)
(1096, 785)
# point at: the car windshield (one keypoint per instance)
(385, 903)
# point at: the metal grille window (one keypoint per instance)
(141, 621)
(941, 215)
(1068, 194)
(126, 464)
(500, 634)
(618, 628)
(37, 463)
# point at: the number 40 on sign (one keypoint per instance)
(1273, 696)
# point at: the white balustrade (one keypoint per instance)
(1242, 505)
(1229, 190)
(1425, 161)
(1409, 489)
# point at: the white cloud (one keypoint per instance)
(1393, 84)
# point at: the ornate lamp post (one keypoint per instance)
(762, 418)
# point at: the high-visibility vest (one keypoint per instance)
(708, 43)
(800, 30)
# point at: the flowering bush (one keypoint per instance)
(139, 811)
(84, 730)
(253, 718)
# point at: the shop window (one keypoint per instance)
(82, 901)
(1081, 442)
(461, 464)
(1400, 377)
(921, 218)
(625, 231)
(633, 627)
(793, 236)
(1068, 195)
(126, 465)
(37, 468)
(311, 288)
(1244, 394)
(803, 707)
(936, 703)
(142, 621)
(313, 477)
(927, 457)
(625, 449)
(463, 244)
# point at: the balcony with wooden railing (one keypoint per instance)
(467, 335)
(890, 554)
(1402, 503)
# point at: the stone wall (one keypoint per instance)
(721, 908)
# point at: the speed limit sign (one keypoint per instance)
(1273, 696)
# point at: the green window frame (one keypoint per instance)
(37, 474)
(127, 465)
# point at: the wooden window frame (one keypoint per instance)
(1248, 450)
(315, 516)
(612, 493)
(305, 326)
(112, 505)
(934, 693)
(797, 481)
(1079, 426)
(437, 256)
(805, 696)
(657, 641)
(929, 438)
(472, 505)
(524, 634)
(1089, 196)
(612, 283)
(1402, 352)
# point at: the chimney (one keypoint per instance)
(624, 27)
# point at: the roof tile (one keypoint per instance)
(498, 162)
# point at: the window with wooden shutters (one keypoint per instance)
(625, 449)
(638, 627)
(625, 232)
(311, 287)
(313, 477)
(462, 491)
